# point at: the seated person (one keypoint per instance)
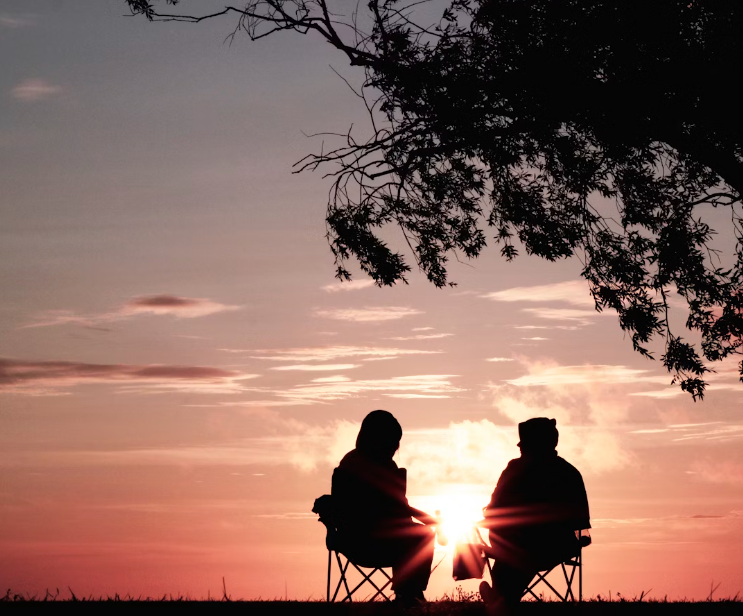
(538, 504)
(373, 516)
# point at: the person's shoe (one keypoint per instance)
(486, 593)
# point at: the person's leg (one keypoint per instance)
(412, 567)
(508, 588)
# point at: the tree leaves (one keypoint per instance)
(591, 130)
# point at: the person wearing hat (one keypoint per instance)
(538, 504)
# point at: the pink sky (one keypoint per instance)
(180, 372)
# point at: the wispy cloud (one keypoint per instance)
(15, 21)
(718, 471)
(704, 431)
(582, 317)
(173, 305)
(49, 377)
(34, 90)
(536, 338)
(350, 285)
(338, 387)
(416, 396)
(184, 307)
(329, 353)
(369, 315)
(725, 377)
(499, 359)
(573, 292)
(316, 367)
(421, 329)
(550, 375)
(421, 337)
(423, 384)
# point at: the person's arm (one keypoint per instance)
(423, 517)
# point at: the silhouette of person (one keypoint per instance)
(537, 507)
(375, 526)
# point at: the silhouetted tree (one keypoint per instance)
(568, 128)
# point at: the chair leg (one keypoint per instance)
(386, 584)
(568, 582)
(543, 578)
(343, 570)
(328, 585)
(342, 580)
(367, 578)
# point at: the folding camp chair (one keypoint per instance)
(325, 509)
(568, 567)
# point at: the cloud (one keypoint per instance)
(582, 317)
(332, 379)
(466, 452)
(573, 292)
(339, 387)
(415, 396)
(421, 337)
(499, 359)
(329, 353)
(589, 403)
(706, 431)
(184, 307)
(421, 329)
(726, 376)
(349, 285)
(34, 90)
(536, 338)
(591, 443)
(470, 452)
(541, 374)
(316, 367)
(14, 21)
(671, 392)
(48, 377)
(423, 384)
(368, 315)
(256, 404)
(725, 472)
(173, 305)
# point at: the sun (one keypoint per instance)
(460, 509)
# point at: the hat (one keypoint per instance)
(538, 432)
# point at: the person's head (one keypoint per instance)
(379, 436)
(538, 435)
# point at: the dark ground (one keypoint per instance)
(434, 608)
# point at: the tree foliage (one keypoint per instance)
(598, 130)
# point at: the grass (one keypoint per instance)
(459, 603)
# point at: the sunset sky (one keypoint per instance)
(180, 372)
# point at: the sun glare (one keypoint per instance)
(460, 506)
